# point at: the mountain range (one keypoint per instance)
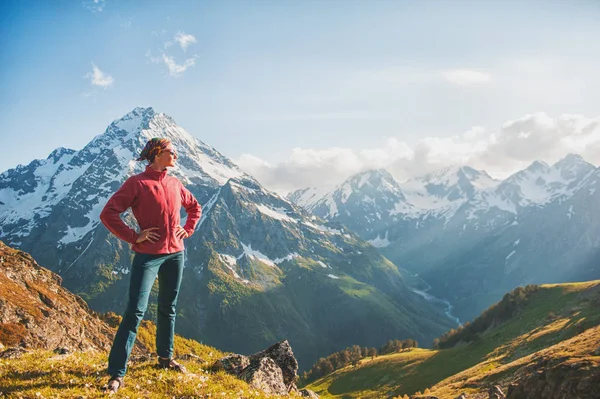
(472, 237)
(259, 269)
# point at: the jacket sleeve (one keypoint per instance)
(117, 204)
(192, 208)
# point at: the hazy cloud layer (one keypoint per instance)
(500, 153)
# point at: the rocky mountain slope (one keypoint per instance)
(539, 342)
(259, 269)
(472, 238)
(37, 312)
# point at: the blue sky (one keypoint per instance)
(277, 85)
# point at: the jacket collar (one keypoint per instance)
(154, 174)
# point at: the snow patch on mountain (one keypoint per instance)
(380, 242)
(331, 205)
(275, 213)
(252, 253)
(322, 229)
(221, 173)
(308, 196)
(231, 264)
(207, 207)
(289, 257)
(421, 201)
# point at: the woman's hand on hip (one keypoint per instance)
(180, 233)
(148, 234)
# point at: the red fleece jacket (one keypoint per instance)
(156, 200)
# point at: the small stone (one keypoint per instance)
(140, 358)
(307, 393)
(62, 350)
(191, 356)
(13, 353)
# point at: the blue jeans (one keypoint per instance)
(145, 268)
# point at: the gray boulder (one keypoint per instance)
(264, 374)
(282, 355)
(273, 370)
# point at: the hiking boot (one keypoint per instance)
(171, 365)
(114, 384)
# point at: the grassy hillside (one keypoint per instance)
(556, 321)
(44, 374)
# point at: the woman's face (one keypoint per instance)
(166, 158)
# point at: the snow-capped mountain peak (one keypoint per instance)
(446, 186)
(573, 166)
(307, 197)
(57, 154)
(378, 179)
(540, 183)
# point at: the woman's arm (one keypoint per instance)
(192, 208)
(117, 204)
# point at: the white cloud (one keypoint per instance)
(184, 40)
(511, 148)
(466, 77)
(177, 69)
(94, 5)
(99, 78)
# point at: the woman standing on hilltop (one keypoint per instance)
(156, 200)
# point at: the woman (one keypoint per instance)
(156, 200)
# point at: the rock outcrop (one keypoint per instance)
(273, 370)
(569, 378)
